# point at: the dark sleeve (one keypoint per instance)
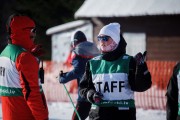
(76, 73)
(139, 76)
(172, 96)
(86, 83)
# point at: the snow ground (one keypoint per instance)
(64, 110)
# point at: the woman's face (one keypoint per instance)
(106, 43)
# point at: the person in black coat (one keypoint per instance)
(111, 79)
(173, 95)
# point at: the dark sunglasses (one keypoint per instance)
(33, 30)
(103, 38)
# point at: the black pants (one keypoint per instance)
(112, 113)
(83, 109)
(178, 117)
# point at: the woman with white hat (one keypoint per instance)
(111, 78)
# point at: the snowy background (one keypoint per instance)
(64, 110)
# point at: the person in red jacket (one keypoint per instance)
(20, 89)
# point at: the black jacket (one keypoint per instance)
(172, 95)
(137, 80)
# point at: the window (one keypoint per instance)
(136, 42)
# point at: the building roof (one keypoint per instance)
(126, 8)
(66, 26)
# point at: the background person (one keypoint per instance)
(83, 51)
(173, 95)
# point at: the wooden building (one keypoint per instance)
(155, 22)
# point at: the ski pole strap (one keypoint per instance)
(72, 102)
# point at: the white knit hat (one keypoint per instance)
(112, 30)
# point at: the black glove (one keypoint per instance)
(140, 58)
(142, 69)
(94, 97)
(141, 63)
(60, 76)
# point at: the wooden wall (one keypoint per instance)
(163, 48)
(162, 33)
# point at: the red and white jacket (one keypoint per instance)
(20, 88)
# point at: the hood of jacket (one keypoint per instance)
(86, 49)
(21, 27)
